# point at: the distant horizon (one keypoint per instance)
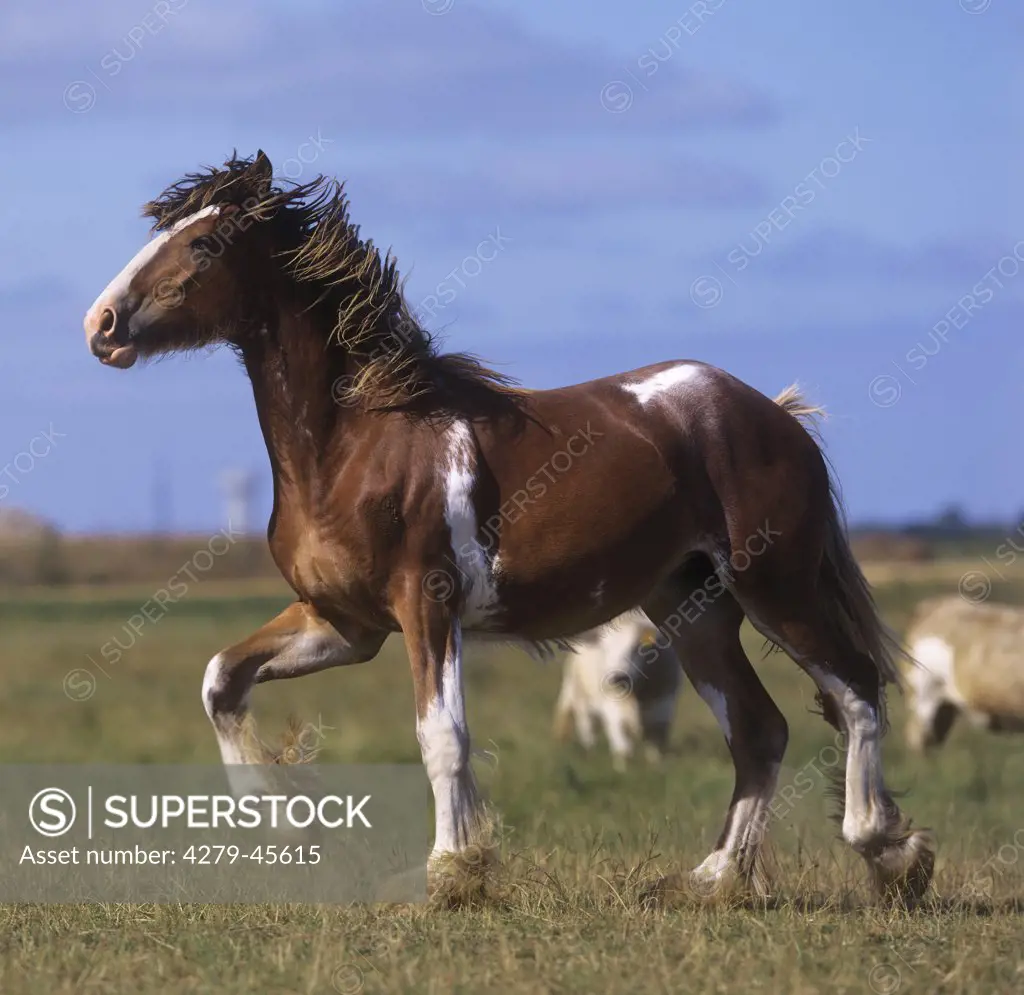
(926, 521)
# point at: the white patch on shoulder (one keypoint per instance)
(473, 568)
(118, 287)
(661, 382)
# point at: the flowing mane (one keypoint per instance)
(349, 282)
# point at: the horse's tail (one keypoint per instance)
(847, 595)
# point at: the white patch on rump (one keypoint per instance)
(661, 382)
(473, 569)
(118, 287)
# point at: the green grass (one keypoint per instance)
(578, 841)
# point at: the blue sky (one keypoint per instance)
(789, 191)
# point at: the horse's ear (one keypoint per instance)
(261, 167)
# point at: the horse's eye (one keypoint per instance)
(201, 244)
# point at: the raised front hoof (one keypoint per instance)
(465, 879)
(902, 870)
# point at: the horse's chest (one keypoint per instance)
(323, 569)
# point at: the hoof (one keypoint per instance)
(902, 870)
(463, 879)
(713, 880)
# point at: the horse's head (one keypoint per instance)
(186, 287)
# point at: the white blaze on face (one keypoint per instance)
(471, 566)
(660, 383)
(118, 287)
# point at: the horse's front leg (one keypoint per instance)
(433, 638)
(295, 643)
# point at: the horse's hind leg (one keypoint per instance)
(703, 620)
(900, 860)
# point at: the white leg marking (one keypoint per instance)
(748, 823)
(865, 817)
(474, 571)
(716, 702)
(242, 770)
(444, 743)
(118, 287)
(661, 382)
(224, 723)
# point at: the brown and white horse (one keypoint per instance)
(420, 492)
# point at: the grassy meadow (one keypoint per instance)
(578, 841)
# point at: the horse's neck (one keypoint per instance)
(293, 380)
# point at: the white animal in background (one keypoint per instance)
(620, 676)
(971, 663)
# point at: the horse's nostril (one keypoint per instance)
(107, 321)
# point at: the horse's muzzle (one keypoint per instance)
(101, 328)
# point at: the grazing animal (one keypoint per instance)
(618, 675)
(420, 492)
(970, 661)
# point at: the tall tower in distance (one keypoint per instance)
(239, 489)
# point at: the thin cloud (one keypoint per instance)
(385, 68)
